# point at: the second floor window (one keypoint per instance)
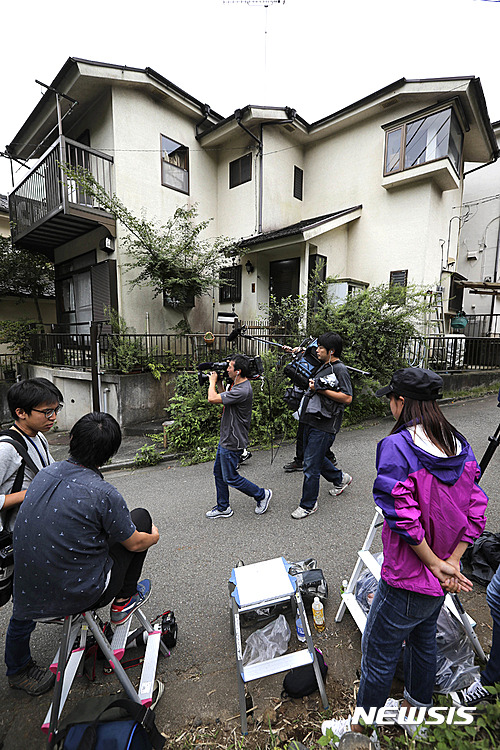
(174, 165)
(240, 170)
(436, 136)
(298, 183)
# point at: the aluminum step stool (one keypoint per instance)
(259, 585)
(366, 559)
(66, 668)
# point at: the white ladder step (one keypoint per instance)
(69, 676)
(149, 667)
(370, 562)
(120, 639)
(274, 666)
(356, 610)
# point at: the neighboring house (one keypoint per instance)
(370, 190)
(479, 248)
(18, 305)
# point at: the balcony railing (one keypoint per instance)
(46, 193)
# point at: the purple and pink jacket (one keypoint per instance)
(422, 495)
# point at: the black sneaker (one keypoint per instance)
(33, 679)
(294, 465)
(474, 694)
(245, 456)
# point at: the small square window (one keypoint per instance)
(174, 165)
(298, 183)
(240, 170)
(398, 278)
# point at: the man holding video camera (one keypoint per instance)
(235, 424)
(321, 413)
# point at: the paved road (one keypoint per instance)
(191, 565)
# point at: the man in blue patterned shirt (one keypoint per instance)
(76, 545)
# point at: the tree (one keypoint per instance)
(25, 274)
(172, 258)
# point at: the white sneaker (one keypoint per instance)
(412, 730)
(338, 489)
(216, 513)
(338, 726)
(301, 512)
(263, 505)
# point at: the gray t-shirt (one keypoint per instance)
(236, 416)
(10, 462)
(65, 525)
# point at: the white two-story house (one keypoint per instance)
(370, 190)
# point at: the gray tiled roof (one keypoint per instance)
(297, 228)
(4, 203)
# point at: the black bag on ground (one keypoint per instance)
(105, 723)
(302, 681)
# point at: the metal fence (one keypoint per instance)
(453, 353)
(140, 352)
(482, 325)
(8, 366)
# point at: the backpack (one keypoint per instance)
(12, 437)
(105, 723)
(302, 681)
(6, 549)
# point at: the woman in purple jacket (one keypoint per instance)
(427, 489)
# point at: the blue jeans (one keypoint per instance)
(398, 615)
(17, 645)
(226, 476)
(316, 444)
(491, 674)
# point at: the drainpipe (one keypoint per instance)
(206, 111)
(495, 278)
(238, 116)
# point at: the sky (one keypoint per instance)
(315, 56)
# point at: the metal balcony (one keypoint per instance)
(47, 209)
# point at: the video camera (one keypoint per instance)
(254, 365)
(303, 366)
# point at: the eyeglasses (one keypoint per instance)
(48, 413)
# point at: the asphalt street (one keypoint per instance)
(190, 566)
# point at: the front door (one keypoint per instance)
(284, 278)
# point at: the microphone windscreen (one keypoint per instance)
(234, 334)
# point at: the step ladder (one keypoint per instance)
(69, 659)
(367, 560)
(261, 585)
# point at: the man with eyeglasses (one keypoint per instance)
(24, 450)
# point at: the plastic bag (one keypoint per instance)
(455, 656)
(367, 585)
(268, 642)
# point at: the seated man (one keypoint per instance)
(76, 547)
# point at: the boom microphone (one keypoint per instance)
(234, 334)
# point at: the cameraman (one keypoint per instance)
(235, 424)
(321, 413)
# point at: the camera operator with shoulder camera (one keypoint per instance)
(321, 413)
(235, 424)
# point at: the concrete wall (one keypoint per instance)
(131, 399)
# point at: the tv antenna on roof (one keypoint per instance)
(262, 3)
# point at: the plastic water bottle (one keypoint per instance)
(318, 614)
(343, 588)
(300, 629)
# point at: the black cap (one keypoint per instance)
(416, 383)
